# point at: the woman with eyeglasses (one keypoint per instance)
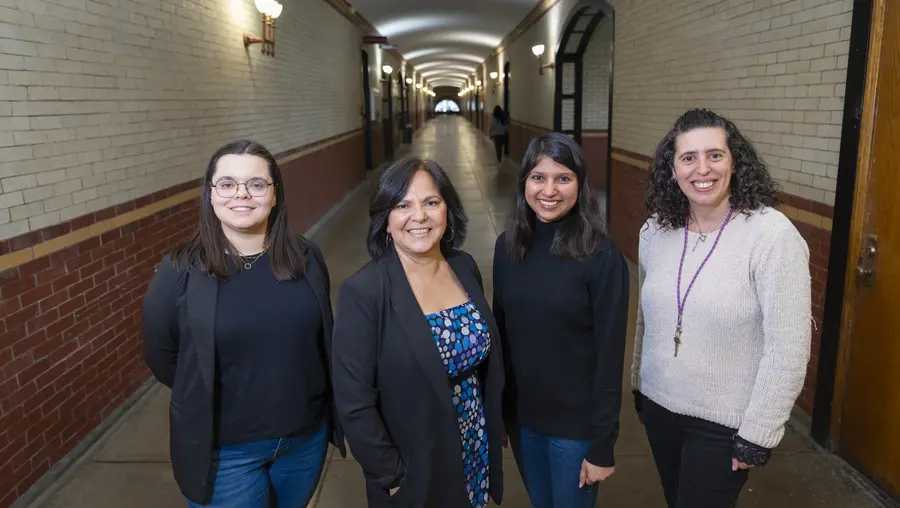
(237, 322)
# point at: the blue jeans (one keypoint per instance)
(550, 468)
(280, 473)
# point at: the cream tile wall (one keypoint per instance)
(104, 101)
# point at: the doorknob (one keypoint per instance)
(865, 267)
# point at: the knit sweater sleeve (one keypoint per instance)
(609, 290)
(643, 239)
(780, 272)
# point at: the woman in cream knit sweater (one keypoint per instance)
(724, 318)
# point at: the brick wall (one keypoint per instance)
(597, 69)
(103, 102)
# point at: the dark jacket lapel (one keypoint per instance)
(416, 330)
(202, 293)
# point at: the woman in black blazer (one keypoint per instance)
(237, 322)
(418, 374)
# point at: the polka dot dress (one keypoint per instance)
(463, 340)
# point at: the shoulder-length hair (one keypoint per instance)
(577, 237)
(392, 188)
(751, 184)
(211, 249)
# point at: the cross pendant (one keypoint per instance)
(677, 339)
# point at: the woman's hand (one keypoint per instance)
(736, 464)
(393, 491)
(591, 474)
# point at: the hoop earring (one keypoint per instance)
(390, 239)
(448, 240)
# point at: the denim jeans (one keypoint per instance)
(550, 468)
(280, 473)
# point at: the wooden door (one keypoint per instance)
(870, 416)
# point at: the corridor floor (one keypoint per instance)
(129, 467)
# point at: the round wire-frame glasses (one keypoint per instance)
(228, 188)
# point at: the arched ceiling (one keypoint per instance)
(445, 40)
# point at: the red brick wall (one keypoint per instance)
(627, 187)
(70, 345)
(594, 147)
(71, 352)
(520, 134)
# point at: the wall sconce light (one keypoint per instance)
(538, 50)
(387, 69)
(494, 76)
(270, 10)
(408, 81)
(419, 85)
(478, 83)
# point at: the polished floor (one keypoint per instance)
(129, 466)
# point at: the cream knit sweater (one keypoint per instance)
(746, 324)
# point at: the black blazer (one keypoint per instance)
(179, 314)
(393, 394)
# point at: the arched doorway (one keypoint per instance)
(446, 106)
(581, 30)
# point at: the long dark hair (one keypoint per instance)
(751, 184)
(577, 237)
(213, 251)
(499, 115)
(393, 186)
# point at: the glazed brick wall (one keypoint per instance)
(71, 347)
(104, 101)
(775, 67)
(597, 69)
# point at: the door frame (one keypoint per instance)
(857, 213)
(367, 111)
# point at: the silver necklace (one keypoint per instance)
(702, 235)
(249, 264)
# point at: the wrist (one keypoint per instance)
(749, 453)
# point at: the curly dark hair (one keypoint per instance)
(751, 184)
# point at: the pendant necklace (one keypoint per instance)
(702, 235)
(679, 300)
(248, 264)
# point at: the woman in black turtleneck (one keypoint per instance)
(561, 303)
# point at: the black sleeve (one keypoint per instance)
(355, 361)
(609, 299)
(337, 434)
(497, 304)
(159, 322)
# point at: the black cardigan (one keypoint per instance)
(178, 322)
(393, 394)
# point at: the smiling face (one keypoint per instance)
(703, 167)
(241, 195)
(417, 223)
(551, 190)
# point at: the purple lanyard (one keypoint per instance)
(679, 300)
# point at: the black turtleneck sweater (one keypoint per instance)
(563, 325)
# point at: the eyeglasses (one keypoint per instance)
(256, 187)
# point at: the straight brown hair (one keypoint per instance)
(211, 249)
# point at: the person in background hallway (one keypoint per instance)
(237, 322)
(499, 131)
(723, 330)
(417, 368)
(561, 302)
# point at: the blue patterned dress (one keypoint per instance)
(464, 342)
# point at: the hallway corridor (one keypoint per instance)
(128, 467)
